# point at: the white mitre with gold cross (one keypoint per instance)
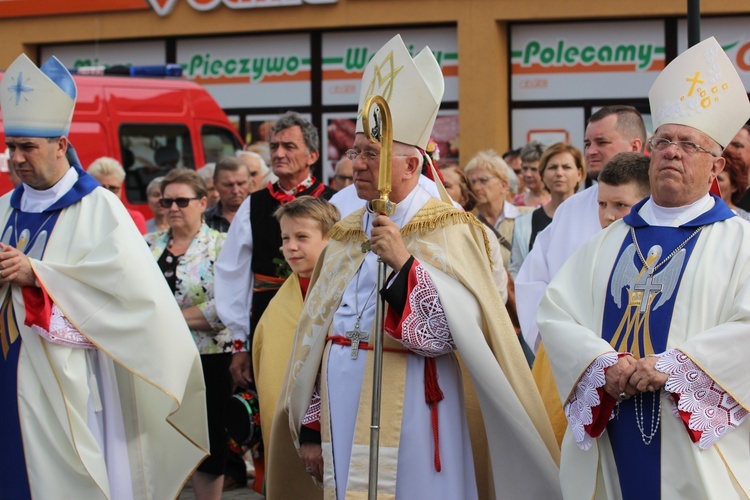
(413, 89)
(37, 102)
(701, 89)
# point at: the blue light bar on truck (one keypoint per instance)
(158, 70)
(173, 70)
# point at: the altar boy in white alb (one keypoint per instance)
(647, 325)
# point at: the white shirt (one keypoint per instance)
(233, 286)
(510, 211)
(576, 220)
(675, 216)
(36, 201)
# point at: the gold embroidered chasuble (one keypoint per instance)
(453, 245)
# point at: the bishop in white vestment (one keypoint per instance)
(101, 389)
(460, 415)
(646, 326)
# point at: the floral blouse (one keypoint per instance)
(195, 284)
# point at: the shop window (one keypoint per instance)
(150, 151)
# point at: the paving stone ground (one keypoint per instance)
(237, 494)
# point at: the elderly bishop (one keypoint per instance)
(646, 326)
(460, 415)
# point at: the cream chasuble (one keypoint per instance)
(97, 270)
(709, 323)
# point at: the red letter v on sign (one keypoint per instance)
(163, 7)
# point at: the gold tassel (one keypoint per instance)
(435, 213)
(349, 228)
(432, 221)
(343, 234)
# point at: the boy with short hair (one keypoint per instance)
(305, 224)
(623, 182)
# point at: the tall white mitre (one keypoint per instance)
(701, 89)
(413, 89)
(37, 102)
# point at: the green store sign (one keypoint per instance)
(565, 54)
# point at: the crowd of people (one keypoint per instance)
(558, 321)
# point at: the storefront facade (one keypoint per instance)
(514, 70)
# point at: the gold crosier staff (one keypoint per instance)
(381, 133)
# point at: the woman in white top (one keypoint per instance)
(562, 169)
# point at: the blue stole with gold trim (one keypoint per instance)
(29, 232)
(637, 316)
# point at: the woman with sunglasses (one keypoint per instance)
(186, 253)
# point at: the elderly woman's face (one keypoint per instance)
(253, 166)
(487, 186)
(153, 200)
(189, 217)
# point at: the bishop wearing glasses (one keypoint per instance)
(456, 387)
(646, 326)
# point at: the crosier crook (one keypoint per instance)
(382, 133)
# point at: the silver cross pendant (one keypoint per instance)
(356, 336)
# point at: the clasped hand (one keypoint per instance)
(15, 267)
(630, 376)
(386, 242)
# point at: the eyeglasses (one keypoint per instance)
(688, 147)
(181, 202)
(367, 156)
(114, 189)
(481, 180)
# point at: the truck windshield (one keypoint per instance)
(150, 151)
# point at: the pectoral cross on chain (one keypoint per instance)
(356, 335)
(647, 287)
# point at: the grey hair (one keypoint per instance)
(154, 184)
(491, 162)
(207, 172)
(532, 151)
(410, 150)
(309, 132)
(252, 154)
(104, 166)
